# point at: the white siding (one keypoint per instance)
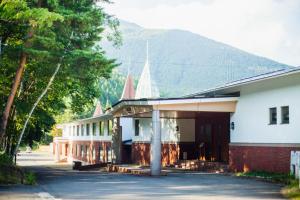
(186, 131)
(127, 128)
(252, 113)
(105, 137)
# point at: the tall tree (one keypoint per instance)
(83, 64)
(19, 13)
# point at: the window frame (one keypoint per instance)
(101, 128)
(137, 127)
(94, 128)
(77, 130)
(82, 130)
(82, 151)
(271, 122)
(87, 152)
(93, 153)
(101, 153)
(282, 114)
(87, 127)
(109, 127)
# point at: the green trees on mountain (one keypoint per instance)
(36, 37)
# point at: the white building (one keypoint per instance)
(250, 124)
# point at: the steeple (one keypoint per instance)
(146, 87)
(98, 110)
(128, 90)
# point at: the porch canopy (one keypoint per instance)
(170, 108)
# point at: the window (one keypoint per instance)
(77, 130)
(74, 130)
(82, 151)
(108, 154)
(70, 130)
(273, 115)
(94, 129)
(285, 118)
(110, 126)
(82, 130)
(76, 151)
(94, 153)
(87, 129)
(101, 128)
(101, 154)
(136, 127)
(87, 152)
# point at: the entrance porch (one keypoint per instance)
(169, 131)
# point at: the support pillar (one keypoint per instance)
(57, 152)
(156, 144)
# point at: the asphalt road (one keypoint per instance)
(60, 182)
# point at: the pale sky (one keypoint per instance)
(269, 28)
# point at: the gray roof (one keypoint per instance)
(249, 80)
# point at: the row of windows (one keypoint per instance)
(285, 115)
(81, 150)
(79, 129)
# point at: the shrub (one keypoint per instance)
(30, 178)
(5, 160)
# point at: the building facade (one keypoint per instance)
(251, 124)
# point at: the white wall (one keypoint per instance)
(127, 128)
(252, 113)
(186, 131)
(84, 137)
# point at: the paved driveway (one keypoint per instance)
(59, 182)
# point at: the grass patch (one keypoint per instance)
(270, 176)
(29, 178)
(12, 174)
(291, 190)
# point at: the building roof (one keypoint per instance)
(128, 90)
(247, 81)
(146, 87)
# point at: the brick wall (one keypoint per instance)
(260, 158)
(141, 153)
(90, 145)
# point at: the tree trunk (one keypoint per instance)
(12, 94)
(34, 106)
(41, 96)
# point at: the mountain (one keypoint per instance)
(182, 62)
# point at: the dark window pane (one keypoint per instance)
(82, 130)
(285, 116)
(101, 128)
(87, 129)
(137, 127)
(94, 129)
(273, 116)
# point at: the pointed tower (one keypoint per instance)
(146, 87)
(98, 110)
(128, 90)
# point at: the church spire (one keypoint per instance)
(128, 90)
(146, 87)
(98, 110)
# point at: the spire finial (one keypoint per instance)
(147, 55)
(129, 66)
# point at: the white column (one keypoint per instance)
(57, 152)
(156, 144)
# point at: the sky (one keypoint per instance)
(269, 28)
